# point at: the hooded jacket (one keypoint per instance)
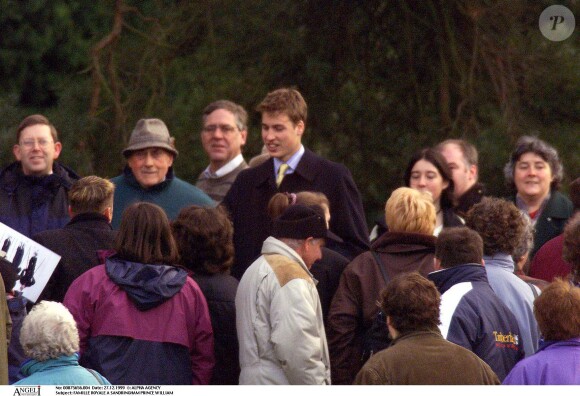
(474, 317)
(31, 204)
(279, 321)
(142, 324)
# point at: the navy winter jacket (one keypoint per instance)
(473, 316)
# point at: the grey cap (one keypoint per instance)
(150, 132)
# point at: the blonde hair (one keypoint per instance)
(410, 210)
(91, 194)
(49, 331)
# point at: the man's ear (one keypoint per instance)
(108, 212)
(436, 264)
(70, 212)
(57, 149)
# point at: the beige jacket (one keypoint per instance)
(279, 321)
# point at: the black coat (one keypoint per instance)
(220, 293)
(77, 244)
(248, 198)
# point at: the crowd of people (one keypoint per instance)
(265, 272)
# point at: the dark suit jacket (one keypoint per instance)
(248, 198)
(77, 244)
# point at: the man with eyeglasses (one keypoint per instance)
(33, 190)
(223, 134)
(149, 177)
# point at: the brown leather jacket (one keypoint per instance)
(355, 303)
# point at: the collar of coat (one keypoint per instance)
(306, 168)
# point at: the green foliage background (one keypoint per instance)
(382, 78)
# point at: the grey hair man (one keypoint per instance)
(278, 311)
(223, 135)
(462, 158)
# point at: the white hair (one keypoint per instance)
(49, 331)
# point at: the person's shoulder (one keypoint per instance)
(196, 192)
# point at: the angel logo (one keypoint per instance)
(27, 391)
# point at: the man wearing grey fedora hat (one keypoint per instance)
(149, 175)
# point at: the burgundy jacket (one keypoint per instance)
(355, 302)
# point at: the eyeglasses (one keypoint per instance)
(225, 128)
(31, 143)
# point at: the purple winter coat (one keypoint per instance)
(555, 363)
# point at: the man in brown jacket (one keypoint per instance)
(419, 355)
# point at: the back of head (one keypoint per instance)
(557, 311)
(409, 210)
(571, 246)
(91, 194)
(281, 201)
(36, 119)
(285, 100)
(531, 144)
(240, 114)
(145, 235)
(49, 331)
(204, 237)
(457, 246)
(499, 223)
(412, 303)
(300, 222)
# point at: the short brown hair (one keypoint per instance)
(36, 119)
(145, 235)
(409, 210)
(557, 311)
(467, 149)
(285, 100)
(499, 223)
(412, 302)
(240, 114)
(91, 194)
(280, 201)
(204, 237)
(571, 246)
(457, 246)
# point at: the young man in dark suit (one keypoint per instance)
(291, 168)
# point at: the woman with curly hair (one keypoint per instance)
(534, 172)
(502, 227)
(204, 239)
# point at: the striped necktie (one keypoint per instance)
(281, 173)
